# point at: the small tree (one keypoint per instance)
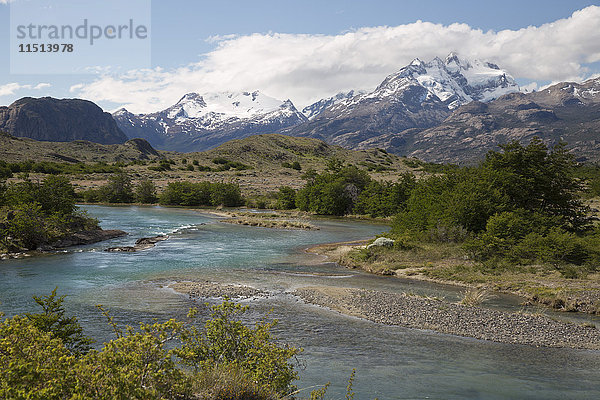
(145, 192)
(118, 189)
(53, 320)
(286, 198)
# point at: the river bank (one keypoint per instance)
(535, 284)
(70, 240)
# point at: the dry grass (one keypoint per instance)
(222, 383)
(475, 296)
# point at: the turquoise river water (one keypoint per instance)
(391, 362)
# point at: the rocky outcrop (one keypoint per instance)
(140, 244)
(87, 237)
(60, 120)
(382, 242)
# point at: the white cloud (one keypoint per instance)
(11, 88)
(307, 67)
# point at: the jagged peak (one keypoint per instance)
(192, 96)
(121, 111)
(417, 62)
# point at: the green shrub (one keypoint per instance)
(286, 198)
(187, 194)
(332, 193)
(225, 359)
(26, 226)
(54, 321)
(226, 194)
(226, 341)
(145, 192)
(201, 194)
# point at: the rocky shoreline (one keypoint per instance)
(73, 239)
(455, 319)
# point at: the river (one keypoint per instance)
(391, 362)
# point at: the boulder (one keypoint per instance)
(381, 242)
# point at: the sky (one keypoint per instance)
(308, 50)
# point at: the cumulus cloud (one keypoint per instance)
(306, 67)
(11, 88)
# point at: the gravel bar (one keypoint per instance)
(206, 289)
(456, 319)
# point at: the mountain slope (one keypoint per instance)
(59, 120)
(567, 112)
(419, 96)
(15, 149)
(316, 108)
(200, 122)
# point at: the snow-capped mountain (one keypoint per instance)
(314, 109)
(418, 96)
(200, 122)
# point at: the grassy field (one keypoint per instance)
(260, 164)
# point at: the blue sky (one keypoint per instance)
(284, 45)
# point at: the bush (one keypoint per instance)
(286, 198)
(118, 189)
(228, 359)
(54, 321)
(33, 364)
(332, 193)
(39, 213)
(226, 341)
(529, 178)
(145, 192)
(225, 164)
(187, 194)
(385, 199)
(26, 226)
(226, 194)
(202, 194)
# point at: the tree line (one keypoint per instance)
(522, 204)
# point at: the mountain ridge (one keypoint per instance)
(60, 120)
(200, 122)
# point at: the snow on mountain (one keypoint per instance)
(418, 96)
(195, 121)
(454, 81)
(316, 108)
(225, 104)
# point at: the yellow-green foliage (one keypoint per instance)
(227, 341)
(230, 360)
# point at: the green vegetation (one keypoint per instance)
(201, 194)
(515, 222)
(349, 190)
(286, 198)
(145, 192)
(119, 189)
(225, 164)
(36, 214)
(521, 205)
(294, 165)
(46, 356)
(163, 165)
(53, 168)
